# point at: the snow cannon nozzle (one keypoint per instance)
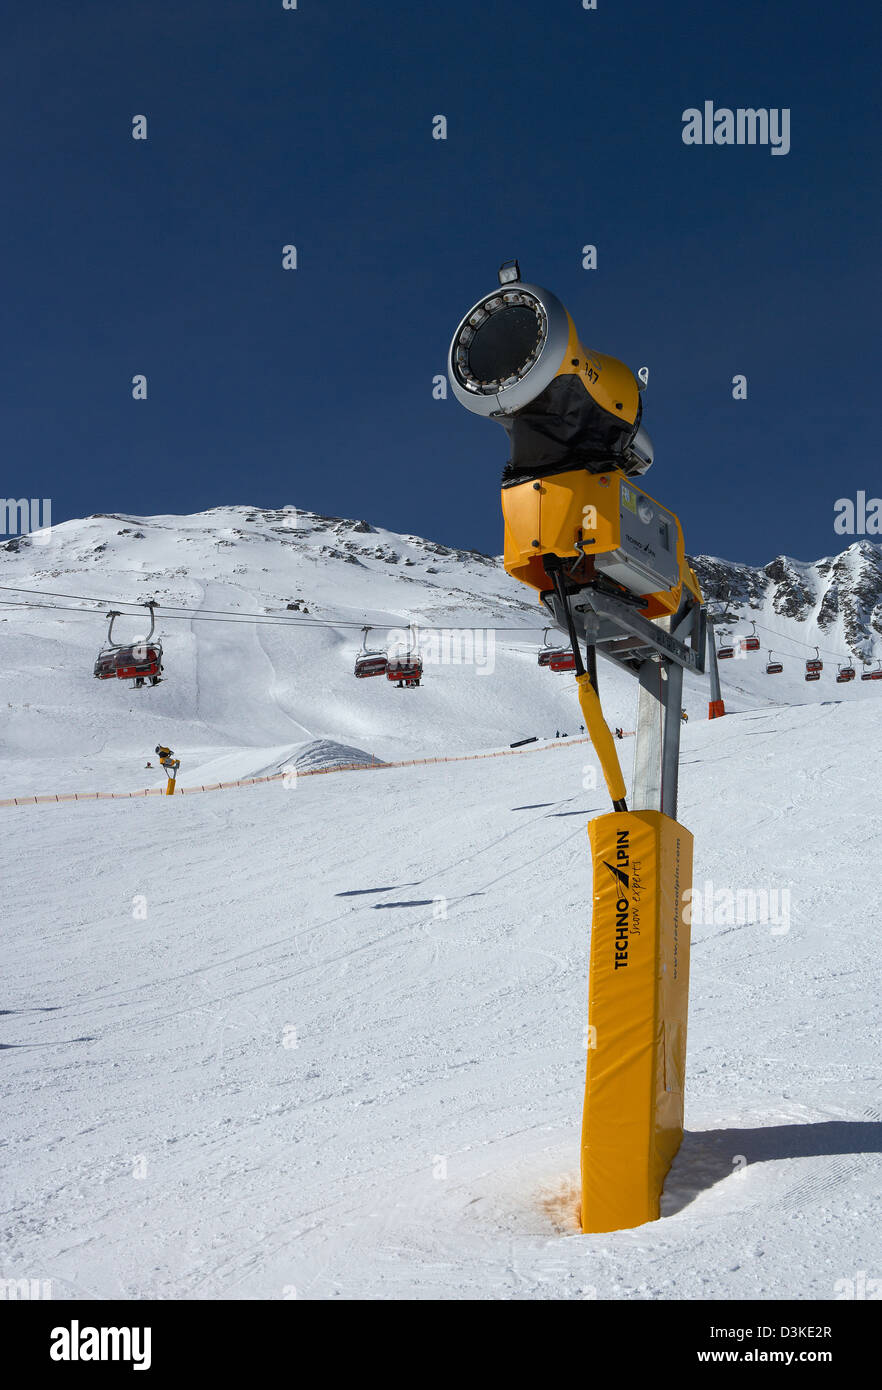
(516, 358)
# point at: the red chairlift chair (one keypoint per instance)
(407, 672)
(556, 658)
(814, 665)
(406, 669)
(546, 652)
(139, 662)
(368, 663)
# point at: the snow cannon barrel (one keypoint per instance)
(573, 421)
(516, 358)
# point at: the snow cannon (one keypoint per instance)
(573, 421)
(609, 564)
(516, 358)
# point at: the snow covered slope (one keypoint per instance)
(330, 1037)
(242, 698)
(270, 689)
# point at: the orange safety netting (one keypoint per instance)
(280, 776)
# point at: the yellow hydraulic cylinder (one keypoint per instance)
(632, 1122)
(601, 738)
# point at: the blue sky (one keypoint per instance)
(313, 127)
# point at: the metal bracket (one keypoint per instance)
(625, 637)
(657, 653)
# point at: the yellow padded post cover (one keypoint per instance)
(632, 1122)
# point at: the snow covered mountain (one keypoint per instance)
(260, 614)
(836, 602)
(273, 687)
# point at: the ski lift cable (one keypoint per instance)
(180, 612)
(258, 619)
(794, 641)
(173, 609)
(835, 655)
